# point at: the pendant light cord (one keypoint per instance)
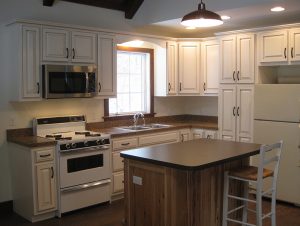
(201, 6)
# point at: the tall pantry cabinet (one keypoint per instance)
(236, 89)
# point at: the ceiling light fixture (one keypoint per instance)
(224, 17)
(201, 18)
(277, 9)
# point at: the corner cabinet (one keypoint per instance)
(189, 67)
(107, 59)
(237, 59)
(34, 182)
(63, 45)
(236, 112)
(24, 61)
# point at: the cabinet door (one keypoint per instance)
(118, 182)
(210, 55)
(273, 46)
(189, 68)
(106, 66)
(172, 69)
(84, 47)
(46, 187)
(117, 162)
(245, 59)
(294, 43)
(31, 62)
(228, 59)
(210, 134)
(56, 45)
(227, 112)
(185, 135)
(244, 113)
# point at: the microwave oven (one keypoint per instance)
(68, 81)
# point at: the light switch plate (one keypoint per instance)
(137, 180)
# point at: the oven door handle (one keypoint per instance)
(85, 186)
(101, 148)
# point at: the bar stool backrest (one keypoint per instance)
(264, 159)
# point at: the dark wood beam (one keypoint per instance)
(132, 7)
(48, 2)
(108, 4)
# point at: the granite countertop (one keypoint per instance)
(26, 138)
(194, 154)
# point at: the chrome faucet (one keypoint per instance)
(136, 118)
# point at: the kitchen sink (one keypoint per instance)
(146, 127)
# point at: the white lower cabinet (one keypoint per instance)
(184, 135)
(236, 112)
(34, 182)
(204, 133)
(118, 182)
(159, 138)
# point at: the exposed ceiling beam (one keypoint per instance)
(132, 7)
(48, 2)
(108, 4)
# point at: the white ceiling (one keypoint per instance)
(162, 17)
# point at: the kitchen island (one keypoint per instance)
(181, 184)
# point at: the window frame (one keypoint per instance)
(108, 117)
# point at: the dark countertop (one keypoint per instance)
(194, 154)
(26, 138)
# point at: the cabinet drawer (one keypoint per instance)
(211, 134)
(118, 182)
(44, 155)
(118, 163)
(126, 143)
(159, 138)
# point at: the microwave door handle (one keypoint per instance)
(86, 82)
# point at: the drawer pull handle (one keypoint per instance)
(44, 156)
(125, 144)
(52, 170)
(169, 87)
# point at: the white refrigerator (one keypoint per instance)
(277, 117)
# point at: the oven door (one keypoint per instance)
(84, 166)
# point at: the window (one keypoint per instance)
(134, 83)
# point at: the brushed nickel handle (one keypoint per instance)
(73, 50)
(44, 156)
(292, 52)
(169, 87)
(237, 111)
(67, 52)
(233, 111)
(233, 75)
(204, 86)
(100, 87)
(238, 75)
(180, 86)
(38, 87)
(52, 171)
(285, 53)
(125, 144)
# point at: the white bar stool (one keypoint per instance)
(255, 176)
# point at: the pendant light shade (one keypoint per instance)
(201, 18)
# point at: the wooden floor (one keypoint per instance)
(112, 215)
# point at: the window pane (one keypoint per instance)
(136, 102)
(123, 62)
(136, 63)
(136, 83)
(123, 83)
(123, 103)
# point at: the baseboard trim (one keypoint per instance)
(6, 207)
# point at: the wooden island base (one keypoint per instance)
(158, 195)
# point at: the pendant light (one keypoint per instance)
(201, 18)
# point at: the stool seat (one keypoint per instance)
(250, 173)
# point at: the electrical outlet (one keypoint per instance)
(137, 180)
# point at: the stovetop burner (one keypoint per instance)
(63, 138)
(56, 136)
(87, 134)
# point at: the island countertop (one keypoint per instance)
(194, 154)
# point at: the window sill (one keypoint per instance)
(125, 117)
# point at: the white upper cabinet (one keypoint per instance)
(273, 46)
(106, 65)
(172, 68)
(189, 67)
(237, 59)
(294, 44)
(62, 45)
(23, 52)
(210, 57)
(236, 112)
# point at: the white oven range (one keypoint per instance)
(83, 161)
